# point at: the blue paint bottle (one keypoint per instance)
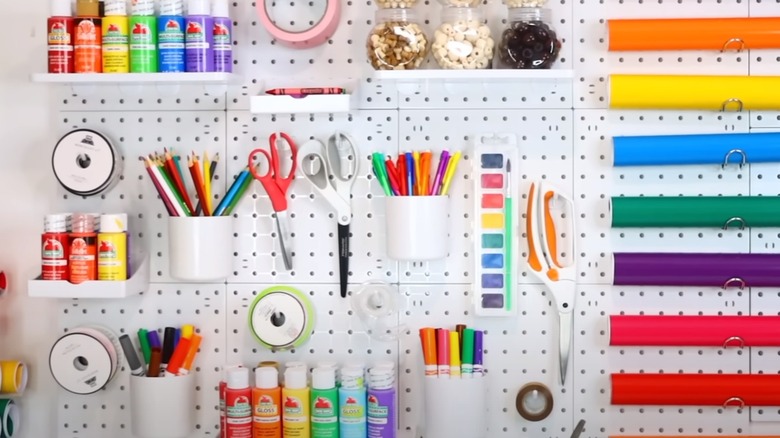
(170, 37)
(352, 404)
(223, 37)
(199, 37)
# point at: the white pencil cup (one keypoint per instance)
(455, 407)
(162, 407)
(417, 227)
(200, 247)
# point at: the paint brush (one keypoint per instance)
(508, 240)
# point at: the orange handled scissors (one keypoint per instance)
(276, 185)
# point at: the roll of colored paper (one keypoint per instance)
(718, 93)
(695, 211)
(694, 34)
(654, 150)
(694, 330)
(697, 269)
(696, 389)
(694, 436)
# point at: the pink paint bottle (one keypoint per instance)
(238, 404)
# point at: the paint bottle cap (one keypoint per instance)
(143, 8)
(266, 378)
(113, 223)
(172, 7)
(115, 8)
(83, 223)
(238, 378)
(295, 364)
(220, 9)
(381, 378)
(57, 223)
(88, 8)
(295, 378)
(385, 364)
(199, 7)
(352, 378)
(61, 8)
(323, 378)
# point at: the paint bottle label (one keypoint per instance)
(112, 256)
(238, 411)
(199, 44)
(223, 45)
(352, 413)
(296, 421)
(266, 413)
(81, 261)
(116, 53)
(60, 40)
(143, 44)
(222, 413)
(54, 256)
(381, 414)
(88, 50)
(324, 413)
(170, 41)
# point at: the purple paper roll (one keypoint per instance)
(691, 269)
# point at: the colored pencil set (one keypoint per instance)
(167, 174)
(411, 173)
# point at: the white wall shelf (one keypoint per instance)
(137, 78)
(137, 283)
(473, 75)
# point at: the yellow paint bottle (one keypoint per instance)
(112, 247)
(116, 36)
(296, 422)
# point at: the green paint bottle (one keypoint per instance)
(324, 404)
(143, 44)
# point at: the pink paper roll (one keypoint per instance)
(708, 331)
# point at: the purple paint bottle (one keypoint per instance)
(199, 37)
(381, 404)
(223, 37)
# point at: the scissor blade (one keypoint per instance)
(343, 258)
(284, 238)
(565, 330)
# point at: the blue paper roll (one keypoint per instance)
(696, 149)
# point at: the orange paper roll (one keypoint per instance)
(735, 390)
(695, 34)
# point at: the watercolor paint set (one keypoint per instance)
(496, 166)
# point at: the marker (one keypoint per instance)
(154, 363)
(437, 180)
(443, 353)
(176, 339)
(143, 341)
(177, 358)
(168, 345)
(154, 340)
(428, 340)
(478, 371)
(410, 173)
(187, 330)
(459, 328)
(190, 357)
(449, 173)
(454, 355)
(468, 353)
(302, 92)
(136, 367)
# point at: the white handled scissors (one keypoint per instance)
(332, 169)
(543, 259)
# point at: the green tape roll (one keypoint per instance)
(281, 317)
(696, 211)
(9, 418)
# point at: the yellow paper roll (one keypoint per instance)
(14, 377)
(719, 93)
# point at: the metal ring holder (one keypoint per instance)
(726, 45)
(732, 280)
(725, 104)
(728, 342)
(734, 152)
(739, 400)
(742, 223)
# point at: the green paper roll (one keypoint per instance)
(9, 418)
(698, 211)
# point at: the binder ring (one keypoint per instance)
(726, 103)
(728, 402)
(734, 152)
(740, 48)
(728, 341)
(741, 221)
(732, 280)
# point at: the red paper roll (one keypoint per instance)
(736, 390)
(708, 331)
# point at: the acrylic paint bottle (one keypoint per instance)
(324, 404)
(381, 405)
(352, 403)
(116, 50)
(112, 248)
(295, 404)
(143, 37)
(82, 240)
(170, 37)
(54, 247)
(238, 404)
(60, 37)
(223, 37)
(222, 412)
(88, 38)
(267, 404)
(199, 37)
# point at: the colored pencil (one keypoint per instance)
(197, 179)
(177, 179)
(166, 201)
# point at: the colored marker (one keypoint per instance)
(136, 367)
(187, 330)
(467, 367)
(177, 358)
(450, 173)
(190, 357)
(443, 158)
(154, 340)
(410, 173)
(443, 353)
(428, 341)
(302, 92)
(454, 355)
(459, 328)
(143, 341)
(478, 370)
(155, 362)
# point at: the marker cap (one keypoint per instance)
(323, 378)
(199, 7)
(295, 378)
(238, 378)
(266, 378)
(220, 9)
(61, 8)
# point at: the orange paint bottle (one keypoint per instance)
(82, 241)
(267, 404)
(88, 35)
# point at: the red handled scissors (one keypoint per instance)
(276, 186)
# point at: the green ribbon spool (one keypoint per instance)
(281, 318)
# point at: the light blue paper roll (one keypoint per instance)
(660, 150)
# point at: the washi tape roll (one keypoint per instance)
(318, 34)
(534, 402)
(10, 418)
(281, 317)
(14, 377)
(85, 163)
(84, 360)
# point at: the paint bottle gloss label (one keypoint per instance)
(60, 41)
(82, 259)
(88, 50)
(381, 414)
(170, 41)
(223, 45)
(199, 44)
(54, 256)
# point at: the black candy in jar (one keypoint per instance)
(528, 42)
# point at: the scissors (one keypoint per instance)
(332, 169)
(543, 259)
(276, 186)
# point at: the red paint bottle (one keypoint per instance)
(238, 404)
(60, 38)
(54, 247)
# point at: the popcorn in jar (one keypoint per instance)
(396, 42)
(463, 41)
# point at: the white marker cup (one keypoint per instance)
(162, 407)
(455, 407)
(417, 227)
(200, 247)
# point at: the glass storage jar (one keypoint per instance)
(463, 40)
(529, 41)
(397, 41)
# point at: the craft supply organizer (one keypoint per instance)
(564, 129)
